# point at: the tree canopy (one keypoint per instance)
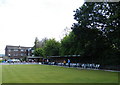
(98, 32)
(95, 36)
(52, 47)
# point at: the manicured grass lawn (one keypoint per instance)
(54, 74)
(0, 74)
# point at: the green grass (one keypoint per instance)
(54, 74)
(0, 74)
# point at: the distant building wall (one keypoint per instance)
(18, 51)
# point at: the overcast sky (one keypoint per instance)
(23, 20)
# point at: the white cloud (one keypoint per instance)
(23, 20)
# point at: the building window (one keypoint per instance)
(15, 49)
(22, 54)
(29, 49)
(22, 50)
(9, 50)
(28, 54)
(32, 51)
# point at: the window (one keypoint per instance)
(22, 50)
(16, 54)
(9, 50)
(32, 51)
(15, 49)
(22, 54)
(29, 49)
(28, 54)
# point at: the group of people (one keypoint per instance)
(47, 61)
(71, 64)
(66, 62)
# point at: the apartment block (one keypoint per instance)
(18, 51)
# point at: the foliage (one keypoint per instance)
(52, 47)
(46, 47)
(39, 52)
(68, 45)
(98, 32)
(1, 61)
(95, 36)
(39, 43)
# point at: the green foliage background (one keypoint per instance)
(95, 36)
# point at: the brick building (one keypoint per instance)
(18, 51)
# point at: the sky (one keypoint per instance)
(21, 21)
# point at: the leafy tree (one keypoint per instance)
(113, 32)
(39, 43)
(52, 47)
(97, 31)
(39, 52)
(69, 45)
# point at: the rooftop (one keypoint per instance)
(17, 47)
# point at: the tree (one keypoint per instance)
(113, 32)
(39, 47)
(39, 52)
(52, 47)
(97, 31)
(36, 43)
(113, 25)
(68, 45)
(39, 43)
